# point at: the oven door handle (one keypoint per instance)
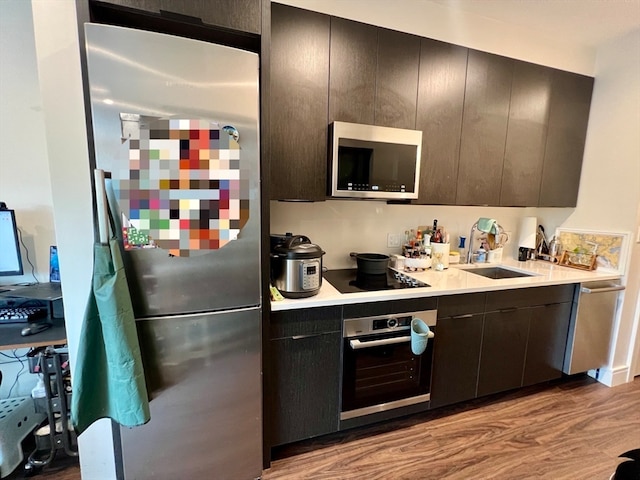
(358, 345)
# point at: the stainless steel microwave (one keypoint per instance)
(367, 161)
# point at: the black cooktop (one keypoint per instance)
(350, 281)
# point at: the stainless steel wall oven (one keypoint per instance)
(380, 372)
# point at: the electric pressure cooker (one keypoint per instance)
(296, 265)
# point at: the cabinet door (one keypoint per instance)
(568, 118)
(456, 356)
(397, 79)
(242, 15)
(305, 376)
(299, 103)
(352, 77)
(443, 69)
(526, 137)
(504, 343)
(145, 5)
(484, 128)
(548, 329)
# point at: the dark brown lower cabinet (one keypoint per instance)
(548, 329)
(504, 343)
(456, 349)
(456, 357)
(303, 383)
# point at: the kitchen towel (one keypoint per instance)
(488, 225)
(108, 379)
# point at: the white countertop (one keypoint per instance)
(452, 281)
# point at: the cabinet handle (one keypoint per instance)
(466, 315)
(357, 344)
(301, 337)
(507, 310)
(613, 288)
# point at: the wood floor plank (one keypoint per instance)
(570, 429)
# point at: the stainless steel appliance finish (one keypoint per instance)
(300, 278)
(166, 76)
(591, 327)
(374, 162)
(296, 266)
(380, 372)
(204, 374)
(198, 317)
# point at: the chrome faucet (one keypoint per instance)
(474, 228)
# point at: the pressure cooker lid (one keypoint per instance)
(298, 247)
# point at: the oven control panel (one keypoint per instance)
(392, 322)
(386, 323)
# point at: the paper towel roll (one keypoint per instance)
(527, 232)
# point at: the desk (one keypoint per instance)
(10, 337)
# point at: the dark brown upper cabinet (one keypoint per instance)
(299, 100)
(240, 15)
(484, 128)
(373, 75)
(397, 79)
(496, 131)
(152, 6)
(526, 136)
(568, 119)
(352, 79)
(443, 70)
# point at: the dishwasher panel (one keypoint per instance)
(591, 327)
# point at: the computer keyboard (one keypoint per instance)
(21, 314)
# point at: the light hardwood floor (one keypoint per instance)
(570, 429)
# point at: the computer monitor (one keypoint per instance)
(10, 258)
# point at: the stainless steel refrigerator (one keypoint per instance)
(176, 123)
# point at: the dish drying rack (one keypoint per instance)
(490, 241)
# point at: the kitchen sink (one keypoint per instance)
(498, 272)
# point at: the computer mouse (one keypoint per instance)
(34, 328)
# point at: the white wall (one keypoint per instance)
(58, 59)
(344, 226)
(24, 171)
(609, 194)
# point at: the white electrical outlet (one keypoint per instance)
(394, 240)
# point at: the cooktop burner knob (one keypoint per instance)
(392, 323)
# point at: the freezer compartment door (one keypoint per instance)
(203, 374)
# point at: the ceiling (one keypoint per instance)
(589, 23)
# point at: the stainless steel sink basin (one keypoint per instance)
(498, 273)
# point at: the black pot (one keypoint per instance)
(371, 263)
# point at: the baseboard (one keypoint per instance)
(611, 377)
